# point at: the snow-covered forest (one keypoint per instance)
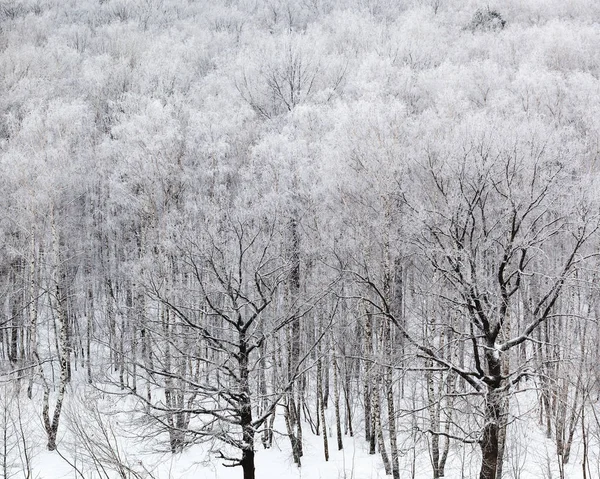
(299, 238)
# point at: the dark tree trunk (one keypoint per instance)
(489, 442)
(248, 463)
(367, 386)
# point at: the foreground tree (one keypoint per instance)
(503, 237)
(218, 317)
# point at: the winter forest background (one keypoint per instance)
(308, 238)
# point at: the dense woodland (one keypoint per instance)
(235, 220)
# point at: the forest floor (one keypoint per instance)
(529, 455)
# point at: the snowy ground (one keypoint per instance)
(351, 463)
(104, 419)
(529, 455)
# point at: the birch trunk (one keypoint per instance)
(51, 424)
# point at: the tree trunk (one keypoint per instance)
(51, 426)
(293, 418)
(296, 454)
(347, 385)
(33, 314)
(336, 403)
(490, 440)
(433, 419)
(367, 389)
(379, 429)
(389, 395)
(321, 405)
(88, 335)
(494, 397)
(247, 461)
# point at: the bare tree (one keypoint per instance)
(292, 76)
(489, 220)
(96, 443)
(213, 332)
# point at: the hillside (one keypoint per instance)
(229, 226)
